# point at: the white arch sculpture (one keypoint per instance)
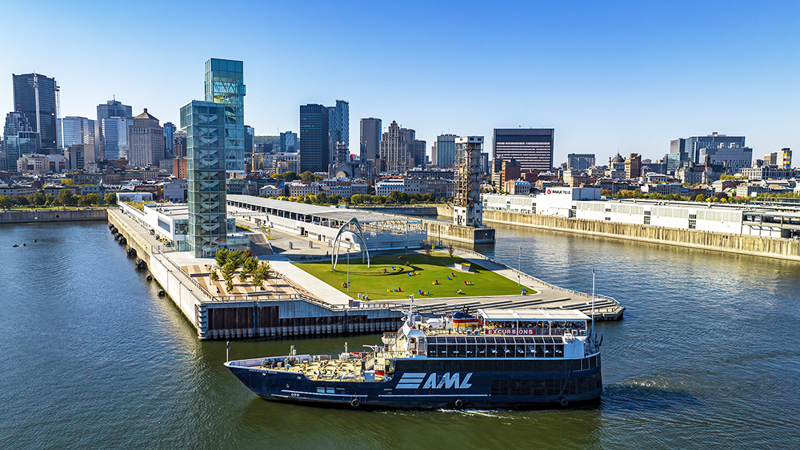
(337, 241)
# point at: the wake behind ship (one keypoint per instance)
(504, 358)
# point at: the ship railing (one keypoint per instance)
(537, 280)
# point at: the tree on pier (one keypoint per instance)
(260, 275)
(5, 202)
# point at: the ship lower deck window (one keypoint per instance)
(549, 387)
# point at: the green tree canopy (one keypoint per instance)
(5, 202)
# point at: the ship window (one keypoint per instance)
(528, 340)
(480, 340)
(433, 349)
(559, 351)
(520, 351)
(451, 350)
(549, 351)
(451, 340)
(539, 340)
(553, 387)
(471, 348)
(461, 340)
(548, 340)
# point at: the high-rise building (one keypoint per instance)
(35, 96)
(224, 84)
(782, 159)
(445, 151)
(288, 142)
(396, 149)
(339, 123)
(314, 142)
(75, 155)
(169, 139)
(118, 117)
(179, 141)
(419, 153)
(580, 161)
(716, 149)
(677, 156)
(370, 147)
(24, 143)
(146, 141)
(633, 166)
(467, 206)
(205, 124)
(531, 147)
(249, 141)
(80, 131)
(16, 123)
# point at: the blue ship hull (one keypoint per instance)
(429, 384)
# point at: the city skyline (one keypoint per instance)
(609, 78)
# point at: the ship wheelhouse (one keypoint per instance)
(507, 333)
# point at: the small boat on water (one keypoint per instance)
(500, 358)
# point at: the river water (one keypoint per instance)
(708, 355)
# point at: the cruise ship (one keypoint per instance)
(499, 358)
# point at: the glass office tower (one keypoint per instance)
(206, 125)
(224, 84)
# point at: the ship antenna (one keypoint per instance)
(410, 320)
(593, 301)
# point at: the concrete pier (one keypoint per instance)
(298, 304)
(231, 317)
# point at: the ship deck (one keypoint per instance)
(335, 369)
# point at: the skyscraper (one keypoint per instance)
(224, 84)
(169, 139)
(339, 123)
(179, 139)
(17, 123)
(204, 125)
(146, 141)
(249, 141)
(80, 131)
(445, 151)
(35, 96)
(395, 152)
(118, 116)
(370, 142)
(288, 142)
(115, 137)
(314, 141)
(531, 147)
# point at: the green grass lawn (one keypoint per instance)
(438, 266)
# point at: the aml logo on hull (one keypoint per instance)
(446, 380)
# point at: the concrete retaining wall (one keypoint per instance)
(143, 249)
(736, 243)
(445, 230)
(52, 215)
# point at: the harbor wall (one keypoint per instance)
(445, 230)
(438, 229)
(709, 240)
(52, 215)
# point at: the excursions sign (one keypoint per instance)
(511, 331)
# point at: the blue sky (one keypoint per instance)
(608, 76)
